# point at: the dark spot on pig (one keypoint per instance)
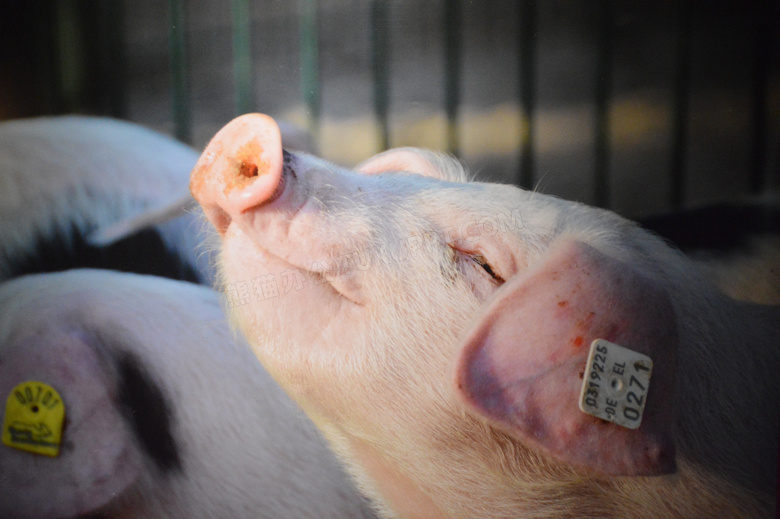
(562, 303)
(141, 253)
(145, 408)
(582, 375)
(578, 341)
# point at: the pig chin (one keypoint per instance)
(270, 300)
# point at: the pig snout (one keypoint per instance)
(241, 168)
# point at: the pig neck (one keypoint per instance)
(397, 492)
(726, 403)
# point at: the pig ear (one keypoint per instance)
(117, 231)
(409, 160)
(521, 366)
(97, 458)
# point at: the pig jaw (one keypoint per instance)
(329, 365)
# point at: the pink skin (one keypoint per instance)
(449, 388)
(279, 229)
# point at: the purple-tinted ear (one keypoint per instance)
(521, 366)
(97, 458)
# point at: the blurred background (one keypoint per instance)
(637, 106)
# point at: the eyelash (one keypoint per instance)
(480, 260)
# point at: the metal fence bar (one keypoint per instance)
(680, 104)
(453, 33)
(242, 56)
(763, 17)
(112, 62)
(70, 60)
(602, 95)
(182, 113)
(46, 50)
(310, 82)
(527, 74)
(380, 67)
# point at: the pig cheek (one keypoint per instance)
(274, 302)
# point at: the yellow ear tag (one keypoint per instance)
(34, 415)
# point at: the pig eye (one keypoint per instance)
(480, 260)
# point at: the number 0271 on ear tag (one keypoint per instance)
(615, 384)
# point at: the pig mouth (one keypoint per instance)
(280, 265)
(287, 171)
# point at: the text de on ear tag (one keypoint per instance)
(34, 416)
(615, 384)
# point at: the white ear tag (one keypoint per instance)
(615, 384)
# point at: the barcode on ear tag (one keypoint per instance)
(615, 384)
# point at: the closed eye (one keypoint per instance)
(480, 260)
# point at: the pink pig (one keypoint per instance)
(166, 415)
(437, 331)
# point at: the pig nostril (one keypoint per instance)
(247, 170)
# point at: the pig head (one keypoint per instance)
(166, 415)
(437, 331)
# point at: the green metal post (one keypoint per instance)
(527, 53)
(765, 17)
(603, 80)
(310, 64)
(680, 103)
(242, 56)
(453, 34)
(182, 117)
(380, 64)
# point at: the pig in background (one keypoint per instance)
(80, 191)
(436, 330)
(64, 180)
(167, 415)
(736, 245)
